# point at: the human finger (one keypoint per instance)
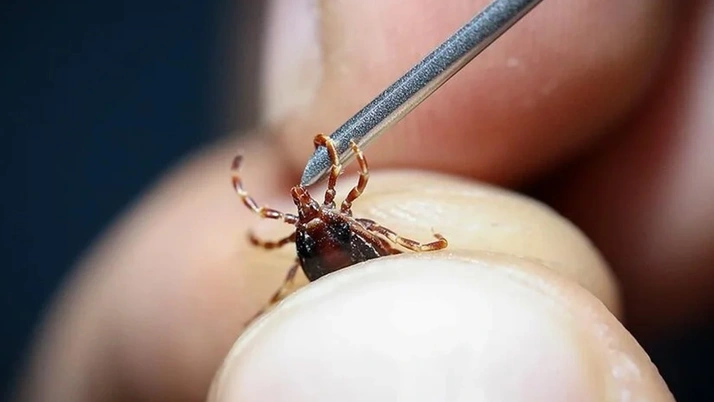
(441, 326)
(645, 197)
(544, 91)
(488, 229)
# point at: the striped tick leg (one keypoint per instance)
(361, 183)
(269, 245)
(412, 245)
(335, 170)
(263, 212)
(279, 294)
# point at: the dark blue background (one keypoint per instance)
(97, 100)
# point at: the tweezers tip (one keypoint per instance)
(316, 166)
(306, 179)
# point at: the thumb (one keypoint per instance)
(427, 327)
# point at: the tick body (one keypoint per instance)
(328, 238)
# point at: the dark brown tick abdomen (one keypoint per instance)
(325, 247)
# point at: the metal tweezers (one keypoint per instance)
(419, 83)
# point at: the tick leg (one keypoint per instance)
(269, 245)
(413, 245)
(287, 283)
(335, 170)
(279, 294)
(361, 184)
(249, 202)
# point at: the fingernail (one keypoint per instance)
(292, 68)
(427, 329)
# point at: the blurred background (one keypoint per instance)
(98, 99)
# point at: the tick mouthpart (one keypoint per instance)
(307, 207)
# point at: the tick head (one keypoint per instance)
(308, 208)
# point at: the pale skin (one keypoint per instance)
(154, 308)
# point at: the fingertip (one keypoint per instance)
(438, 326)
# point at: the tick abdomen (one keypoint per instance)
(328, 247)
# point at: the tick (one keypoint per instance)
(328, 239)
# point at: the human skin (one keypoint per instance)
(618, 90)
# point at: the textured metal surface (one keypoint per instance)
(419, 82)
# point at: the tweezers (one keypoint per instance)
(418, 83)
